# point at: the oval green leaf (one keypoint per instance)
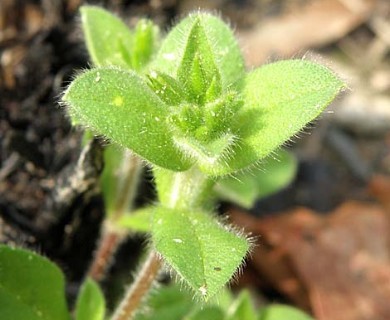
(279, 100)
(119, 105)
(244, 188)
(31, 287)
(108, 39)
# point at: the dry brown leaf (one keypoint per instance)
(337, 265)
(346, 266)
(318, 23)
(379, 187)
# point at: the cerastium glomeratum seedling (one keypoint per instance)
(187, 106)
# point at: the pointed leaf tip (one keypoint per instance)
(204, 253)
(218, 42)
(90, 303)
(280, 99)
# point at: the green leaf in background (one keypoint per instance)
(245, 188)
(172, 302)
(281, 312)
(138, 220)
(113, 157)
(167, 303)
(119, 105)
(218, 37)
(145, 40)
(118, 179)
(109, 40)
(242, 308)
(90, 303)
(202, 251)
(279, 100)
(207, 313)
(31, 287)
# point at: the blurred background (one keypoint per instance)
(323, 242)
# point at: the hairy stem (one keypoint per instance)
(112, 236)
(108, 244)
(139, 289)
(128, 183)
(187, 190)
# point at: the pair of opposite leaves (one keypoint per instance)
(276, 100)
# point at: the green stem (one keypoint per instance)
(139, 289)
(128, 184)
(187, 190)
(112, 235)
(110, 239)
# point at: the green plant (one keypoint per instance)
(188, 108)
(32, 287)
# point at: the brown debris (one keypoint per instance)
(379, 187)
(18, 19)
(337, 265)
